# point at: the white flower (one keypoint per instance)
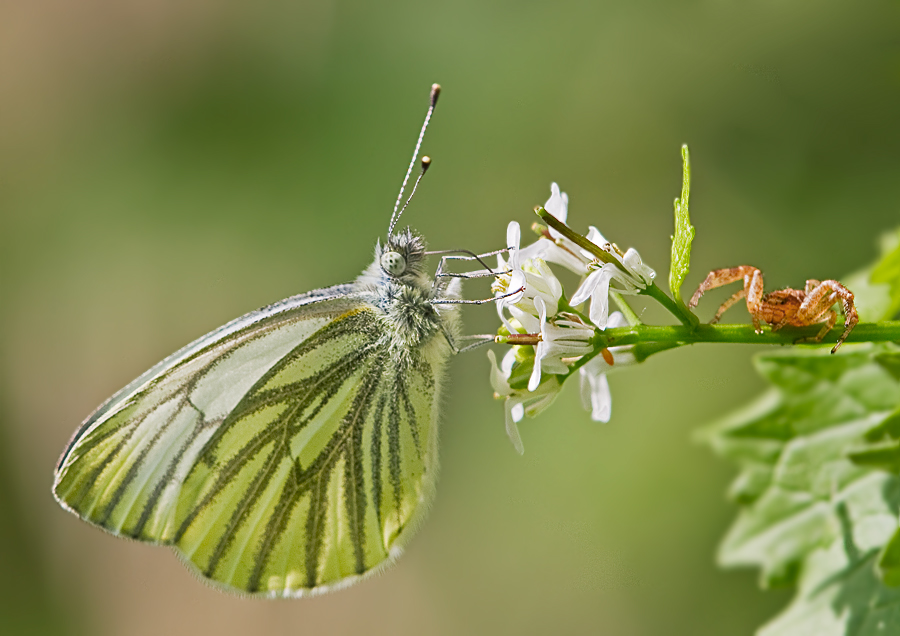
(540, 283)
(631, 276)
(643, 275)
(533, 276)
(513, 277)
(557, 248)
(561, 338)
(595, 395)
(519, 403)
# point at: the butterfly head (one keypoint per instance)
(393, 262)
(403, 256)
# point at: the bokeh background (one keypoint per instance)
(168, 165)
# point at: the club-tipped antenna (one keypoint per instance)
(395, 216)
(426, 162)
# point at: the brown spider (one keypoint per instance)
(785, 306)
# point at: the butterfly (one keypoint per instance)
(292, 450)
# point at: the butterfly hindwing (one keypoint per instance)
(282, 453)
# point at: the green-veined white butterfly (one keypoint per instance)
(294, 449)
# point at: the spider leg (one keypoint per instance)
(829, 325)
(738, 295)
(719, 277)
(781, 323)
(830, 320)
(820, 300)
(851, 318)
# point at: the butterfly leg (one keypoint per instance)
(482, 301)
(481, 340)
(464, 255)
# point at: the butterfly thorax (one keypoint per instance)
(405, 299)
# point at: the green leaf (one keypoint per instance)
(881, 455)
(877, 287)
(887, 271)
(889, 563)
(891, 362)
(791, 445)
(684, 231)
(808, 484)
(840, 593)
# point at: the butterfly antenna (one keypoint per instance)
(426, 162)
(435, 92)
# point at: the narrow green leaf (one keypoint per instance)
(684, 231)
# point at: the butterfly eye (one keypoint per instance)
(393, 263)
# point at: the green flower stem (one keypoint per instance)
(677, 309)
(624, 307)
(576, 238)
(887, 331)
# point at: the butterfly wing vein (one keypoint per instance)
(281, 454)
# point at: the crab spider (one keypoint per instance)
(796, 307)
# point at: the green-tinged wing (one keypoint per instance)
(281, 454)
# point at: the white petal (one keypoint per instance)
(544, 397)
(535, 380)
(517, 281)
(536, 249)
(552, 365)
(595, 395)
(546, 284)
(542, 310)
(600, 299)
(506, 364)
(514, 413)
(565, 257)
(558, 206)
(499, 379)
(595, 237)
(616, 319)
(632, 262)
(585, 387)
(513, 238)
(529, 322)
(502, 314)
(587, 287)
(601, 400)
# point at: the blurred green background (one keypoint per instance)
(168, 165)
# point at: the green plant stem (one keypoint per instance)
(887, 331)
(624, 307)
(677, 309)
(576, 238)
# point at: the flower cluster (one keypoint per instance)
(549, 336)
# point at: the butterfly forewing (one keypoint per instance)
(282, 453)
